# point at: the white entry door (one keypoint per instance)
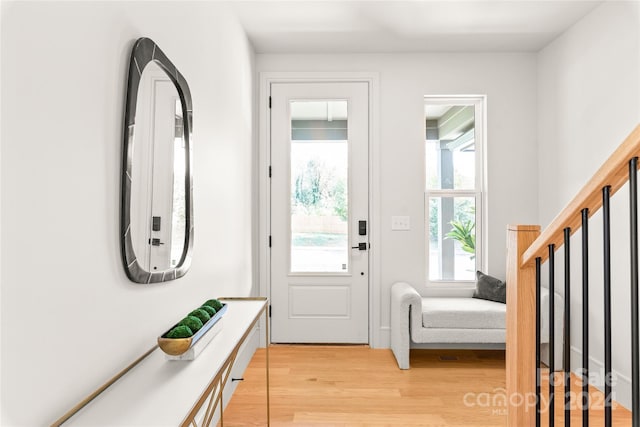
(319, 213)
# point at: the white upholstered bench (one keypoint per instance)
(461, 320)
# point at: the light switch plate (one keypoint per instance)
(400, 223)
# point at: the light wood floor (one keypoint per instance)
(358, 386)
(620, 415)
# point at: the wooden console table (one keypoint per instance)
(155, 391)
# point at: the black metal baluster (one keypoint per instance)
(606, 194)
(567, 328)
(538, 321)
(585, 317)
(552, 364)
(635, 346)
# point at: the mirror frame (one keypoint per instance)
(145, 51)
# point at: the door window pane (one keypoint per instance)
(452, 238)
(319, 187)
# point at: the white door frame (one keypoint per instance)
(264, 155)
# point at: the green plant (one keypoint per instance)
(209, 310)
(339, 194)
(310, 185)
(200, 314)
(180, 331)
(214, 303)
(433, 219)
(192, 322)
(464, 233)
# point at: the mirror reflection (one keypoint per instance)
(156, 216)
(158, 193)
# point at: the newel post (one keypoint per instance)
(521, 328)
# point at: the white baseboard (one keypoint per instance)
(621, 387)
(384, 339)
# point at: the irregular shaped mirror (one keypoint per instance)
(157, 215)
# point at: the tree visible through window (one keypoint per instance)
(453, 187)
(319, 177)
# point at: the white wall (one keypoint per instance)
(70, 318)
(508, 80)
(589, 101)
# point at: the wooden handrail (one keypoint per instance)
(614, 173)
(524, 244)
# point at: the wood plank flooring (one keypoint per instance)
(621, 416)
(359, 386)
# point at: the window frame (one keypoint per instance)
(479, 104)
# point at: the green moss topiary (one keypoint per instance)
(209, 310)
(180, 331)
(192, 322)
(200, 314)
(214, 303)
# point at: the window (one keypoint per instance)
(453, 188)
(319, 187)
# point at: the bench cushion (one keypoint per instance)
(463, 313)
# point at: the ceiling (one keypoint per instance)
(384, 26)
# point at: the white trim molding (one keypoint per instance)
(479, 193)
(621, 387)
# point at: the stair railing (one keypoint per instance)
(527, 250)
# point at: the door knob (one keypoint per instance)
(156, 242)
(361, 246)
